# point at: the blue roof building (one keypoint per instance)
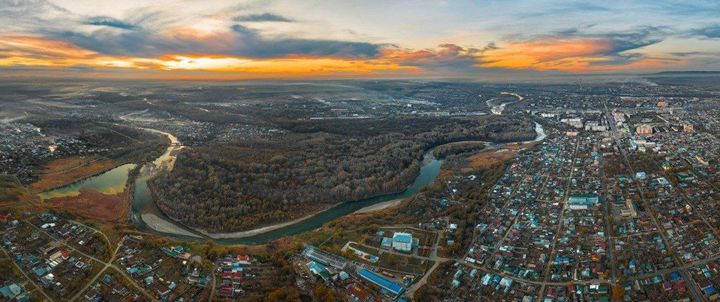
(318, 269)
(582, 201)
(10, 291)
(402, 242)
(386, 243)
(386, 284)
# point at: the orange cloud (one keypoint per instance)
(42, 47)
(544, 55)
(33, 51)
(37, 52)
(568, 55)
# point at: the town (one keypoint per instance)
(615, 199)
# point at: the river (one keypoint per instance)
(498, 109)
(147, 217)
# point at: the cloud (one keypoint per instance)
(567, 7)
(151, 32)
(574, 50)
(249, 42)
(238, 40)
(26, 8)
(707, 32)
(192, 36)
(695, 54)
(39, 48)
(445, 58)
(110, 22)
(18, 52)
(266, 17)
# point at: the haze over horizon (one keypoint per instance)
(175, 39)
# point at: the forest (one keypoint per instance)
(248, 184)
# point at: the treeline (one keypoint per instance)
(236, 187)
(458, 148)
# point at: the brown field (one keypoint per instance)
(487, 159)
(94, 205)
(63, 171)
(11, 190)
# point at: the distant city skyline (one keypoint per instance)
(184, 39)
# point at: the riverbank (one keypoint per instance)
(258, 231)
(161, 225)
(380, 206)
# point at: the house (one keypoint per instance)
(194, 276)
(106, 279)
(359, 293)
(118, 289)
(93, 295)
(226, 291)
(243, 260)
(10, 291)
(163, 290)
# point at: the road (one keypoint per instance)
(92, 281)
(434, 257)
(546, 271)
(608, 229)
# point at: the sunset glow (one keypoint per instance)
(275, 40)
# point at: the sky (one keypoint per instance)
(269, 39)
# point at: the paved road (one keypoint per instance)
(546, 272)
(434, 257)
(92, 281)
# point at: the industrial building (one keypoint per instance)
(387, 285)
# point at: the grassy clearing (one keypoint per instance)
(94, 205)
(63, 171)
(404, 264)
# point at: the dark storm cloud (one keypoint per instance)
(239, 41)
(109, 22)
(251, 43)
